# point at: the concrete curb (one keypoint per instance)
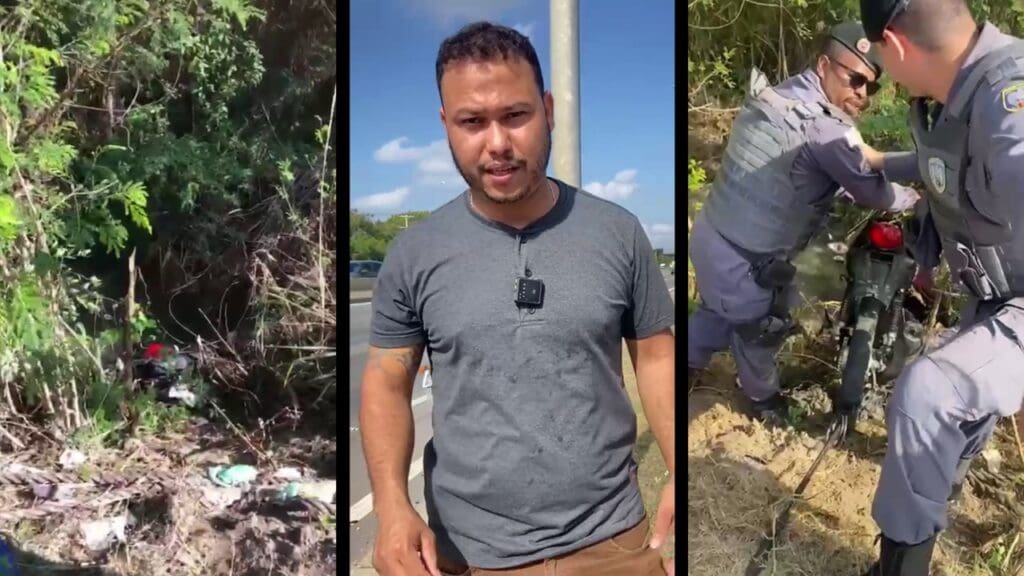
(360, 296)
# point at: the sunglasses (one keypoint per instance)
(856, 79)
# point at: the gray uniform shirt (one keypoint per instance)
(533, 431)
(995, 143)
(831, 159)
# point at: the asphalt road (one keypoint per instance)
(362, 524)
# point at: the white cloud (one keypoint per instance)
(526, 29)
(662, 236)
(444, 12)
(393, 152)
(437, 164)
(434, 166)
(621, 187)
(382, 201)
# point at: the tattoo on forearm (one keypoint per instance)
(395, 362)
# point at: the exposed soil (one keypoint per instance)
(182, 531)
(740, 473)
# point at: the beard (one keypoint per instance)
(474, 176)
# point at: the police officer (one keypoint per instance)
(968, 127)
(793, 149)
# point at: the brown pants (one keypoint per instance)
(625, 554)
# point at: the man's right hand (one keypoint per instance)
(405, 546)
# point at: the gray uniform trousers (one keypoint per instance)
(729, 298)
(943, 410)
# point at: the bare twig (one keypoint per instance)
(320, 221)
(241, 434)
(709, 109)
(1009, 551)
(129, 314)
(1016, 437)
(18, 444)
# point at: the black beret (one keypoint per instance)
(876, 15)
(852, 36)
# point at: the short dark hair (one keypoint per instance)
(928, 23)
(483, 41)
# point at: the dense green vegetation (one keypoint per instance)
(726, 38)
(193, 135)
(369, 239)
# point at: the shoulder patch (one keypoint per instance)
(1013, 97)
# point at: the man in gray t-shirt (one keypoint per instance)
(521, 291)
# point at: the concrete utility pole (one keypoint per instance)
(565, 88)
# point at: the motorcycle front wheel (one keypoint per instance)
(859, 350)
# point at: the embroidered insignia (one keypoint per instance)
(863, 45)
(937, 173)
(1013, 97)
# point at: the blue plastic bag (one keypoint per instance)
(8, 564)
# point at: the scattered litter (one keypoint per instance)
(221, 498)
(322, 491)
(71, 459)
(838, 248)
(288, 474)
(993, 459)
(100, 535)
(182, 394)
(237, 475)
(19, 468)
(59, 492)
(8, 563)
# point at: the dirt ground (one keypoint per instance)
(191, 528)
(739, 474)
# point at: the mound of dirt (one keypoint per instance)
(740, 474)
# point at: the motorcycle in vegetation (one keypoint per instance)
(877, 329)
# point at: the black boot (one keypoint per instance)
(902, 559)
(772, 410)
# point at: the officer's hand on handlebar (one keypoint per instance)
(904, 198)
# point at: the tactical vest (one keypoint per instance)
(984, 250)
(753, 202)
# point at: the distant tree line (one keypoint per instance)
(369, 238)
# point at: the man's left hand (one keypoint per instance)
(663, 521)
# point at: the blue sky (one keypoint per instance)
(399, 156)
